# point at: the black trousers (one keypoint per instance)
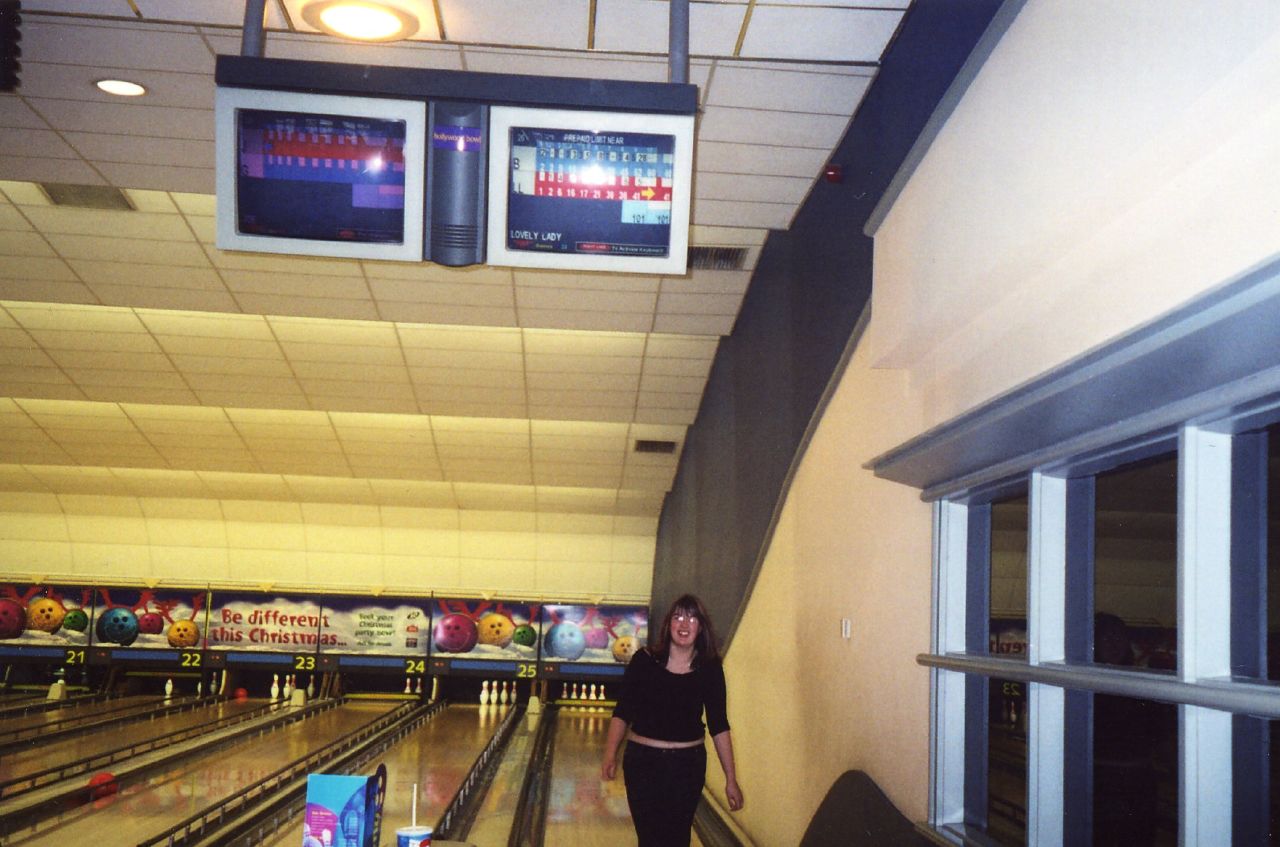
(663, 788)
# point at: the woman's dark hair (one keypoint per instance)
(705, 646)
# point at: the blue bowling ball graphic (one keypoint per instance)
(565, 641)
(117, 625)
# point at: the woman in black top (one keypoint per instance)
(664, 693)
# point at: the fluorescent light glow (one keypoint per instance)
(120, 87)
(361, 20)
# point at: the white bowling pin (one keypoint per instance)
(200, 688)
(592, 695)
(417, 689)
(408, 685)
(168, 687)
(602, 697)
(484, 693)
(311, 687)
(275, 687)
(502, 694)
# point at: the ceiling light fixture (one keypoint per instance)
(120, 87)
(361, 20)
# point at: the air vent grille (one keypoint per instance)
(87, 196)
(643, 446)
(717, 258)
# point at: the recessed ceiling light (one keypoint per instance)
(121, 87)
(360, 19)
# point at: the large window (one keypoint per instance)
(1115, 629)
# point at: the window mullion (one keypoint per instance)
(947, 720)
(1204, 615)
(1046, 604)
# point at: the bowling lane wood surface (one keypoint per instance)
(81, 710)
(584, 810)
(46, 754)
(144, 808)
(437, 756)
(492, 826)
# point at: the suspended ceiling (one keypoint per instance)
(137, 359)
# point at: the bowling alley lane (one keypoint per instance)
(144, 808)
(46, 754)
(584, 810)
(77, 712)
(437, 756)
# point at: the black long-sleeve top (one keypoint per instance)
(668, 706)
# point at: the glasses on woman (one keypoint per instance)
(685, 617)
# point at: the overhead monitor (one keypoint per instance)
(320, 175)
(592, 191)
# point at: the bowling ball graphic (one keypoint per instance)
(45, 614)
(103, 788)
(456, 633)
(150, 623)
(12, 619)
(496, 629)
(183, 634)
(597, 637)
(525, 635)
(624, 648)
(76, 619)
(118, 625)
(565, 641)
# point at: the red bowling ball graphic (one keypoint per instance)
(13, 619)
(456, 633)
(151, 623)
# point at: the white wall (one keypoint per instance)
(1110, 161)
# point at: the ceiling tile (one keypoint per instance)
(735, 158)
(767, 215)
(122, 174)
(126, 119)
(48, 170)
(101, 147)
(778, 88)
(819, 34)
(642, 26)
(756, 188)
(116, 46)
(68, 220)
(558, 23)
(49, 143)
(105, 247)
(225, 12)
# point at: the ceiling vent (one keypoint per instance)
(87, 196)
(717, 258)
(643, 446)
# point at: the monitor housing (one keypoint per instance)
(320, 174)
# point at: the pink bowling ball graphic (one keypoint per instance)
(455, 633)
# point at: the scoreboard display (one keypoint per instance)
(597, 193)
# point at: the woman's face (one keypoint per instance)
(684, 627)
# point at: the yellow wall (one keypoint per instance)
(1109, 162)
(316, 546)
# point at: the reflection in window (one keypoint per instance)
(1007, 762)
(1135, 772)
(1136, 561)
(1008, 632)
(1007, 699)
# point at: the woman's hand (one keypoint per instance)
(734, 794)
(608, 768)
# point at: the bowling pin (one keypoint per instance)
(168, 687)
(275, 686)
(408, 685)
(484, 693)
(200, 687)
(592, 695)
(311, 686)
(502, 695)
(602, 697)
(417, 689)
